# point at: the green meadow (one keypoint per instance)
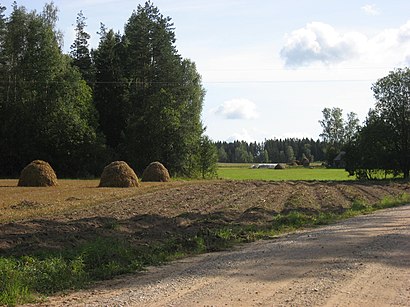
(236, 171)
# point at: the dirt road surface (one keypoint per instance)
(364, 261)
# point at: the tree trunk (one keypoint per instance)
(406, 174)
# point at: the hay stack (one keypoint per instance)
(156, 172)
(37, 174)
(305, 162)
(119, 175)
(280, 166)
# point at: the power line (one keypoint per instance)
(171, 83)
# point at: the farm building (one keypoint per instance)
(265, 165)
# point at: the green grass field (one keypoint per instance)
(243, 172)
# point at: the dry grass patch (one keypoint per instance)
(19, 203)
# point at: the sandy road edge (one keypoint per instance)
(357, 262)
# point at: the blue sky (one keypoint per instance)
(270, 67)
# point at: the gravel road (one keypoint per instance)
(364, 261)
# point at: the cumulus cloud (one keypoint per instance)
(320, 42)
(238, 108)
(404, 33)
(371, 9)
(391, 46)
(241, 136)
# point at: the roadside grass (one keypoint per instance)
(239, 172)
(31, 278)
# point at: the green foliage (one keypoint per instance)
(13, 287)
(47, 111)
(337, 132)
(110, 88)
(382, 146)
(372, 154)
(148, 97)
(273, 151)
(332, 124)
(393, 108)
(208, 157)
(80, 52)
(104, 258)
(53, 274)
(23, 278)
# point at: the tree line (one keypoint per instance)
(133, 98)
(275, 150)
(381, 146)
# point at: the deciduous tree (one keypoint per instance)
(47, 112)
(392, 95)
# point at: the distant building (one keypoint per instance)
(265, 165)
(339, 162)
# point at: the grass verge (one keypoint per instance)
(29, 278)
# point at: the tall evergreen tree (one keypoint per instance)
(80, 52)
(165, 95)
(111, 87)
(208, 156)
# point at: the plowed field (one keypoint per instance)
(33, 219)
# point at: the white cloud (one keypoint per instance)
(241, 136)
(320, 42)
(390, 47)
(404, 33)
(238, 108)
(371, 9)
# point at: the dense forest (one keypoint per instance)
(276, 150)
(133, 98)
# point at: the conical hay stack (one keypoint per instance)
(280, 166)
(156, 171)
(118, 174)
(37, 174)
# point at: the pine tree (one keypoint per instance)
(80, 52)
(165, 95)
(110, 89)
(208, 156)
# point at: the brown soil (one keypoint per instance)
(76, 212)
(157, 211)
(363, 261)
